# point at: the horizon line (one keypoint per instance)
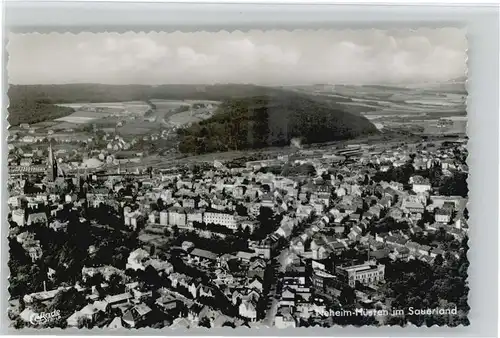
(461, 79)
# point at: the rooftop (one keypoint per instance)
(203, 254)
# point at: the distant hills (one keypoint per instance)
(89, 92)
(36, 103)
(250, 116)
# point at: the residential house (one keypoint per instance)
(285, 230)
(115, 324)
(251, 225)
(119, 299)
(245, 256)
(257, 268)
(287, 297)
(402, 253)
(443, 215)
(256, 284)
(91, 312)
(284, 318)
(424, 250)
(137, 315)
(436, 252)
(420, 184)
(137, 259)
(412, 206)
(200, 255)
(39, 217)
(247, 309)
(18, 216)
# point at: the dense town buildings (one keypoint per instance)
(228, 246)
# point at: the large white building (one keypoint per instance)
(18, 217)
(366, 273)
(164, 217)
(227, 220)
(177, 216)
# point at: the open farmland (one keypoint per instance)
(135, 117)
(89, 112)
(181, 112)
(138, 127)
(80, 117)
(166, 108)
(429, 108)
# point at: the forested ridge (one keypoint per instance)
(30, 110)
(271, 120)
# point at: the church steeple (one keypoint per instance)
(51, 165)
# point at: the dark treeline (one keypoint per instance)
(70, 93)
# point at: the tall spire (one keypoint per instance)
(51, 165)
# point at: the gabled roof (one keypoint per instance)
(245, 255)
(203, 254)
(115, 323)
(181, 323)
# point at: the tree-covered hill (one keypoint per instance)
(29, 110)
(271, 120)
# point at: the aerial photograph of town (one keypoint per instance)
(261, 179)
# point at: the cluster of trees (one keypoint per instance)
(268, 223)
(66, 253)
(25, 277)
(306, 169)
(271, 120)
(30, 188)
(271, 169)
(105, 214)
(400, 174)
(446, 241)
(214, 244)
(455, 185)
(420, 285)
(388, 224)
(66, 302)
(29, 110)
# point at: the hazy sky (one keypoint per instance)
(268, 58)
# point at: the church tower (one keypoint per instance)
(51, 165)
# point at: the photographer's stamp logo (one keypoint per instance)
(44, 318)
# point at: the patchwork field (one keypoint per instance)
(138, 127)
(89, 112)
(178, 113)
(430, 108)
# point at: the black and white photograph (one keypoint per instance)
(257, 179)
